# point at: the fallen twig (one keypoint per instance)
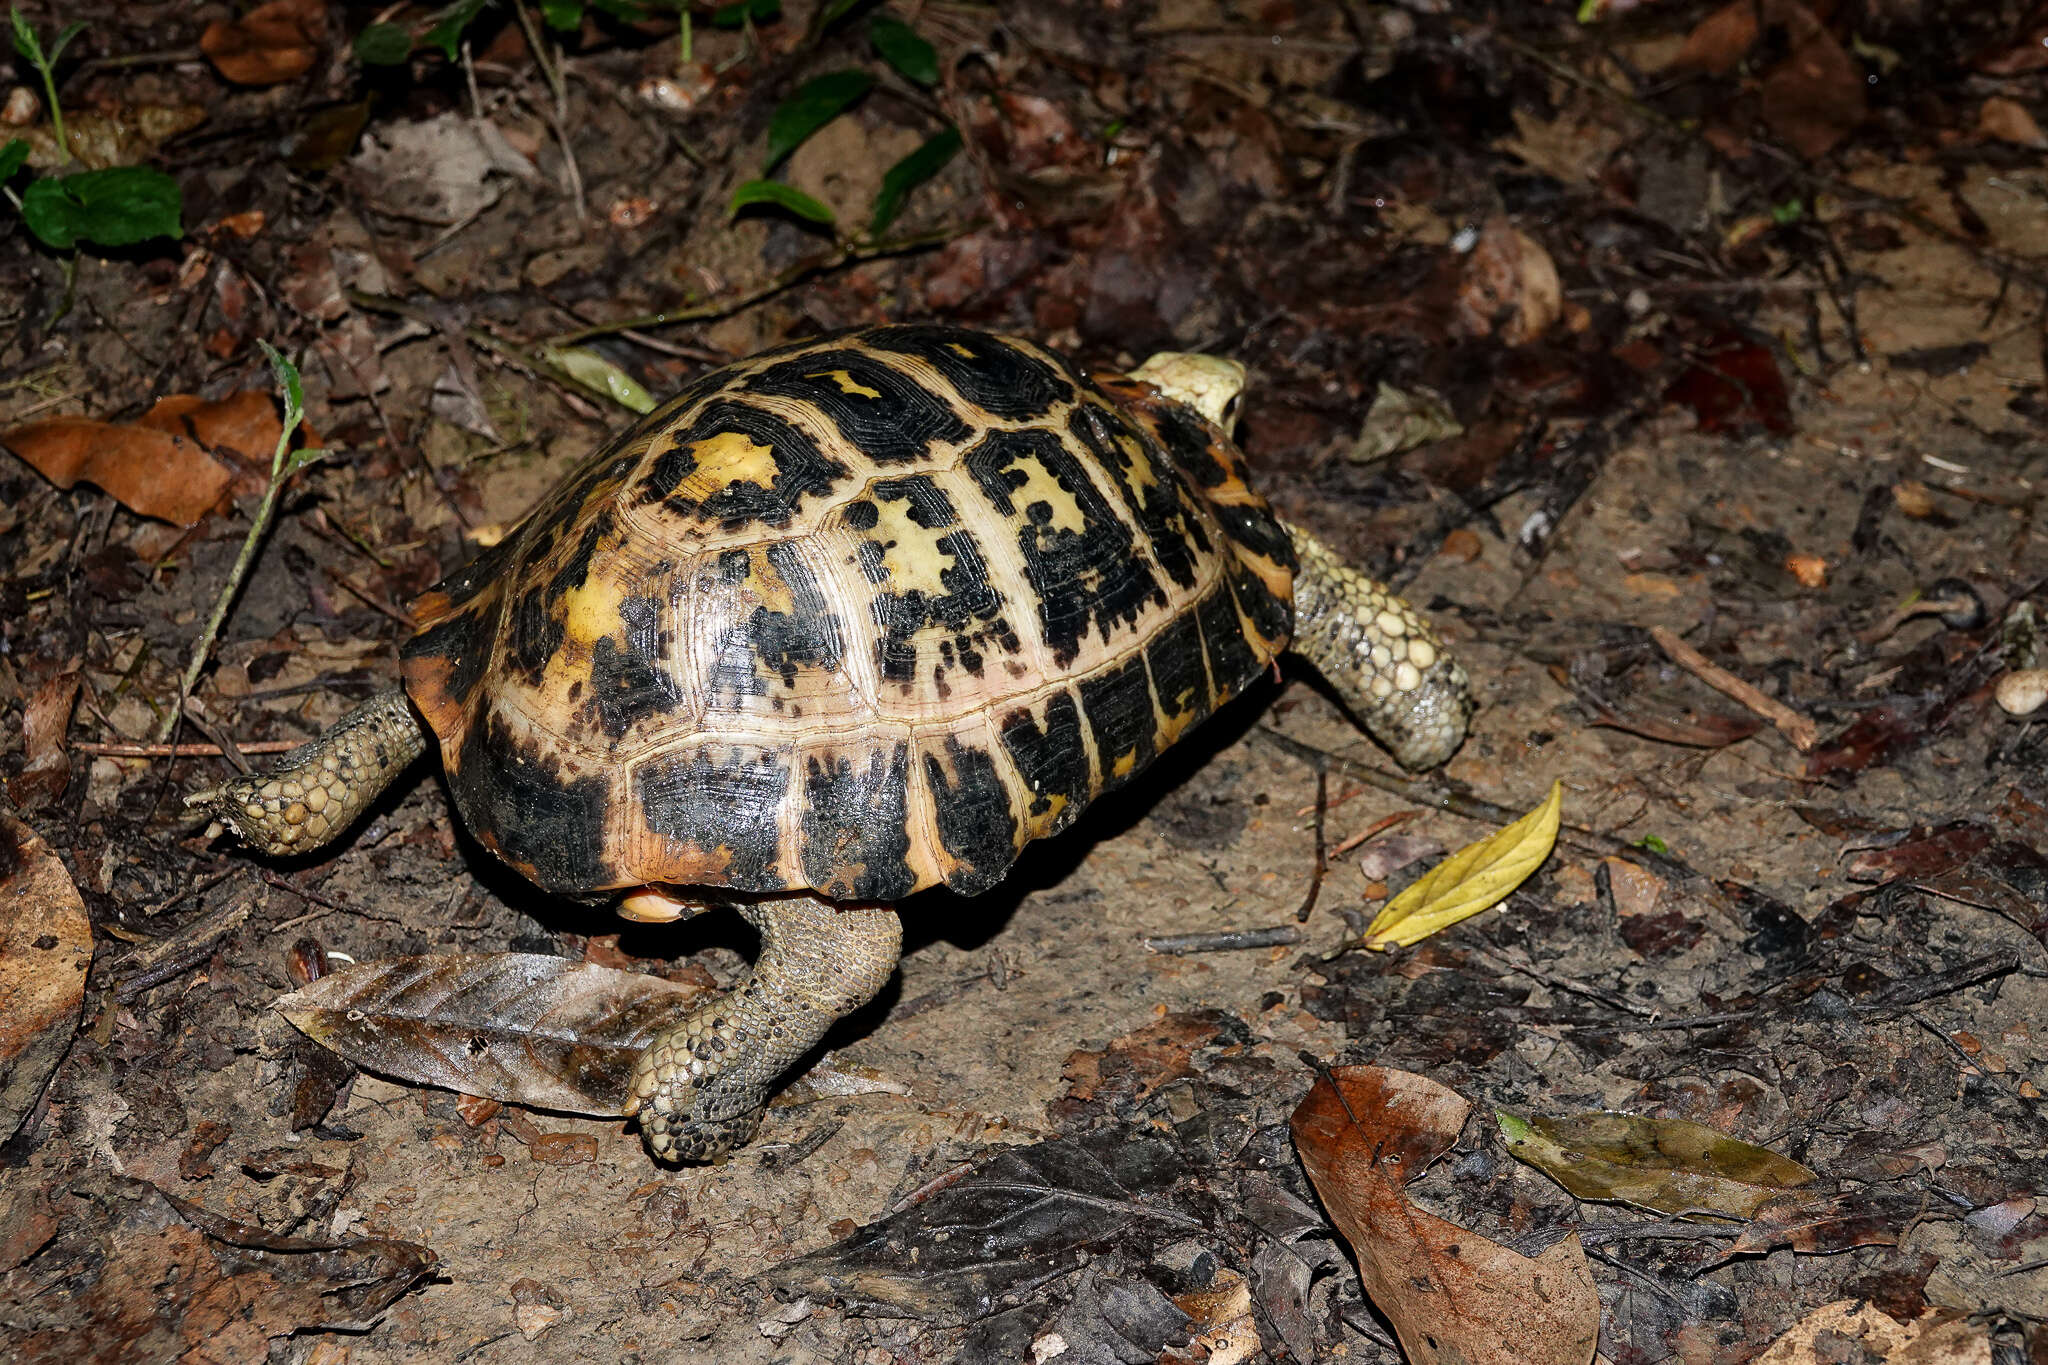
(1225, 940)
(108, 749)
(1802, 732)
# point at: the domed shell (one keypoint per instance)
(864, 614)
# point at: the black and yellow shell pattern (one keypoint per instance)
(864, 614)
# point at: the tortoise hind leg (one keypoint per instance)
(1380, 656)
(315, 792)
(701, 1085)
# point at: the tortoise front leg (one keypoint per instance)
(315, 792)
(701, 1085)
(1382, 658)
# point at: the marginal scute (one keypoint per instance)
(864, 614)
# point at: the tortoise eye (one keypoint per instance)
(1230, 411)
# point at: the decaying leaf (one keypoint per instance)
(1819, 1226)
(128, 1272)
(1017, 1219)
(1476, 877)
(269, 45)
(1402, 420)
(1669, 1165)
(525, 1028)
(1854, 1329)
(112, 135)
(44, 720)
(45, 948)
(1452, 1295)
(583, 366)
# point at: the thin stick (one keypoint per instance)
(1225, 940)
(797, 273)
(1802, 732)
(112, 750)
(1322, 868)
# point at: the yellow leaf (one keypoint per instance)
(1477, 877)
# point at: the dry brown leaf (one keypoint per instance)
(45, 948)
(43, 723)
(1865, 1332)
(1815, 97)
(1451, 1294)
(270, 45)
(147, 471)
(1719, 42)
(523, 1028)
(163, 464)
(119, 135)
(2008, 121)
(244, 425)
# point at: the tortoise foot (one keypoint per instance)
(701, 1085)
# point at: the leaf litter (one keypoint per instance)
(1707, 320)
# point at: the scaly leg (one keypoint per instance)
(315, 792)
(700, 1086)
(1380, 656)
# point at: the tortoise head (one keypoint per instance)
(1207, 383)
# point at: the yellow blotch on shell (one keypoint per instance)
(910, 552)
(729, 457)
(1040, 486)
(766, 585)
(848, 385)
(1037, 826)
(592, 611)
(1172, 726)
(1125, 762)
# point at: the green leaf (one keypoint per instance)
(118, 206)
(912, 171)
(25, 41)
(1670, 1165)
(836, 11)
(900, 47)
(732, 16)
(628, 11)
(287, 376)
(383, 45)
(563, 16)
(815, 104)
(781, 196)
(12, 157)
(446, 33)
(586, 367)
(63, 41)
(284, 462)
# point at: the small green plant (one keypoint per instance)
(117, 206)
(820, 100)
(284, 462)
(387, 44)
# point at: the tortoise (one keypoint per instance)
(860, 615)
